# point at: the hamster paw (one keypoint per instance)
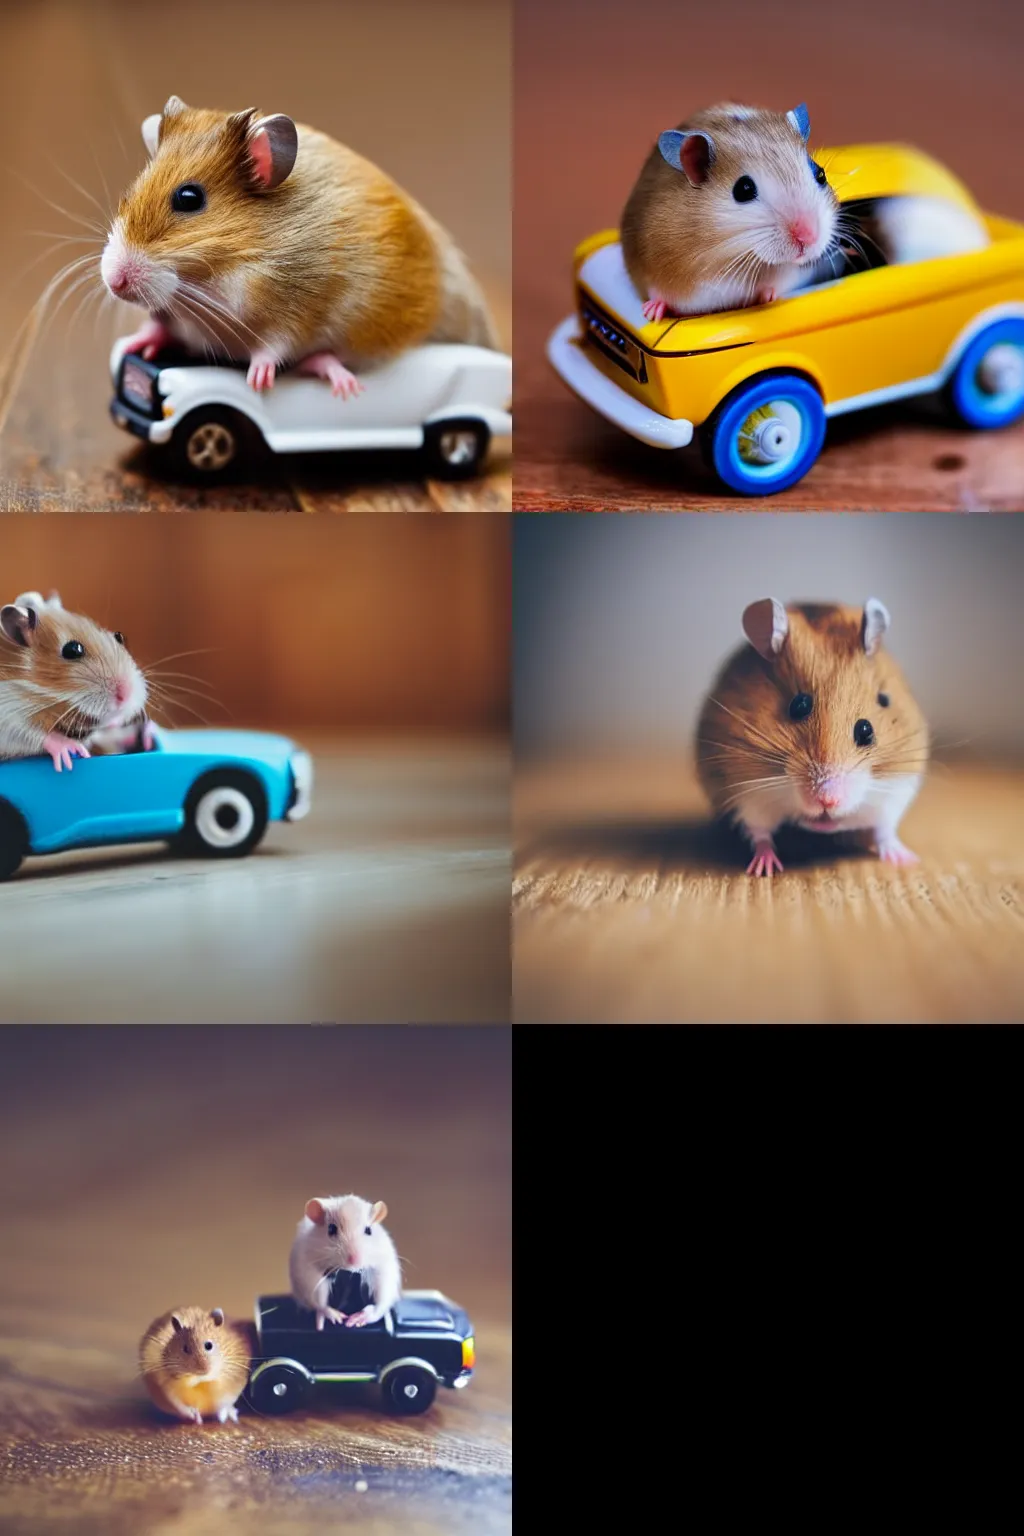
(765, 861)
(150, 339)
(230, 1412)
(892, 851)
(357, 1319)
(765, 296)
(192, 1415)
(262, 370)
(331, 1314)
(62, 749)
(656, 309)
(324, 365)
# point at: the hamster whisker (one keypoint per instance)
(75, 218)
(217, 308)
(747, 727)
(103, 212)
(204, 314)
(203, 650)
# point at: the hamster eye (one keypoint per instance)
(744, 190)
(332, 1230)
(367, 1231)
(801, 706)
(863, 733)
(119, 637)
(189, 198)
(819, 174)
(73, 651)
(883, 699)
(208, 1345)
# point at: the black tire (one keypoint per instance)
(213, 444)
(455, 450)
(409, 1389)
(279, 1389)
(225, 815)
(13, 840)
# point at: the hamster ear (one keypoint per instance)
(153, 124)
(273, 144)
(315, 1211)
(218, 1317)
(379, 1211)
(766, 626)
(876, 622)
(177, 1324)
(693, 153)
(800, 119)
(18, 623)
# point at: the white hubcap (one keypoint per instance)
(411, 1391)
(458, 447)
(224, 817)
(1001, 370)
(211, 446)
(771, 434)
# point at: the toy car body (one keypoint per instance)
(424, 1341)
(448, 400)
(211, 792)
(756, 385)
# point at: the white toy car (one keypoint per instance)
(448, 401)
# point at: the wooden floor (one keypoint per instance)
(137, 1175)
(630, 907)
(389, 902)
(591, 94)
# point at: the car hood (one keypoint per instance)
(242, 744)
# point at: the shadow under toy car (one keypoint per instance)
(448, 401)
(208, 792)
(755, 386)
(423, 1341)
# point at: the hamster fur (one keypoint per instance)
(344, 1232)
(812, 723)
(195, 1365)
(729, 210)
(62, 677)
(258, 239)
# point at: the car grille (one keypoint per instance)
(138, 386)
(600, 331)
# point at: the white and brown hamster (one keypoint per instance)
(62, 677)
(729, 210)
(195, 1364)
(344, 1232)
(253, 238)
(812, 723)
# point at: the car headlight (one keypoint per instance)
(301, 765)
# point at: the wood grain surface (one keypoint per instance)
(141, 1171)
(388, 903)
(437, 119)
(596, 82)
(630, 907)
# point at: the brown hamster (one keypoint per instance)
(812, 723)
(729, 210)
(62, 677)
(195, 1365)
(344, 1232)
(258, 239)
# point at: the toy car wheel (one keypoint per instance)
(987, 386)
(455, 450)
(765, 436)
(409, 1389)
(279, 1389)
(13, 840)
(212, 444)
(225, 815)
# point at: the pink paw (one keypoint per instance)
(192, 1415)
(262, 371)
(150, 339)
(765, 861)
(894, 852)
(655, 309)
(62, 749)
(331, 1314)
(357, 1319)
(765, 296)
(324, 365)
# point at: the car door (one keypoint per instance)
(101, 800)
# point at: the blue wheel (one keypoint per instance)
(766, 435)
(987, 385)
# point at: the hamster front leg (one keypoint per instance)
(184, 1410)
(765, 861)
(384, 1286)
(325, 365)
(311, 1289)
(227, 1412)
(62, 749)
(151, 338)
(263, 366)
(898, 794)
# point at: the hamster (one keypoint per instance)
(729, 210)
(257, 239)
(62, 677)
(195, 1365)
(812, 723)
(344, 1232)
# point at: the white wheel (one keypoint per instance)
(224, 817)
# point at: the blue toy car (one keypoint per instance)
(208, 792)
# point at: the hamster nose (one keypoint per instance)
(803, 232)
(829, 798)
(122, 690)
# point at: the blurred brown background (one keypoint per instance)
(421, 88)
(146, 1169)
(595, 82)
(353, 624)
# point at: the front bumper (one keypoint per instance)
(301, 765)
(137, 422)
(571, 363)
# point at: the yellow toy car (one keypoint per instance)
(756, 385)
